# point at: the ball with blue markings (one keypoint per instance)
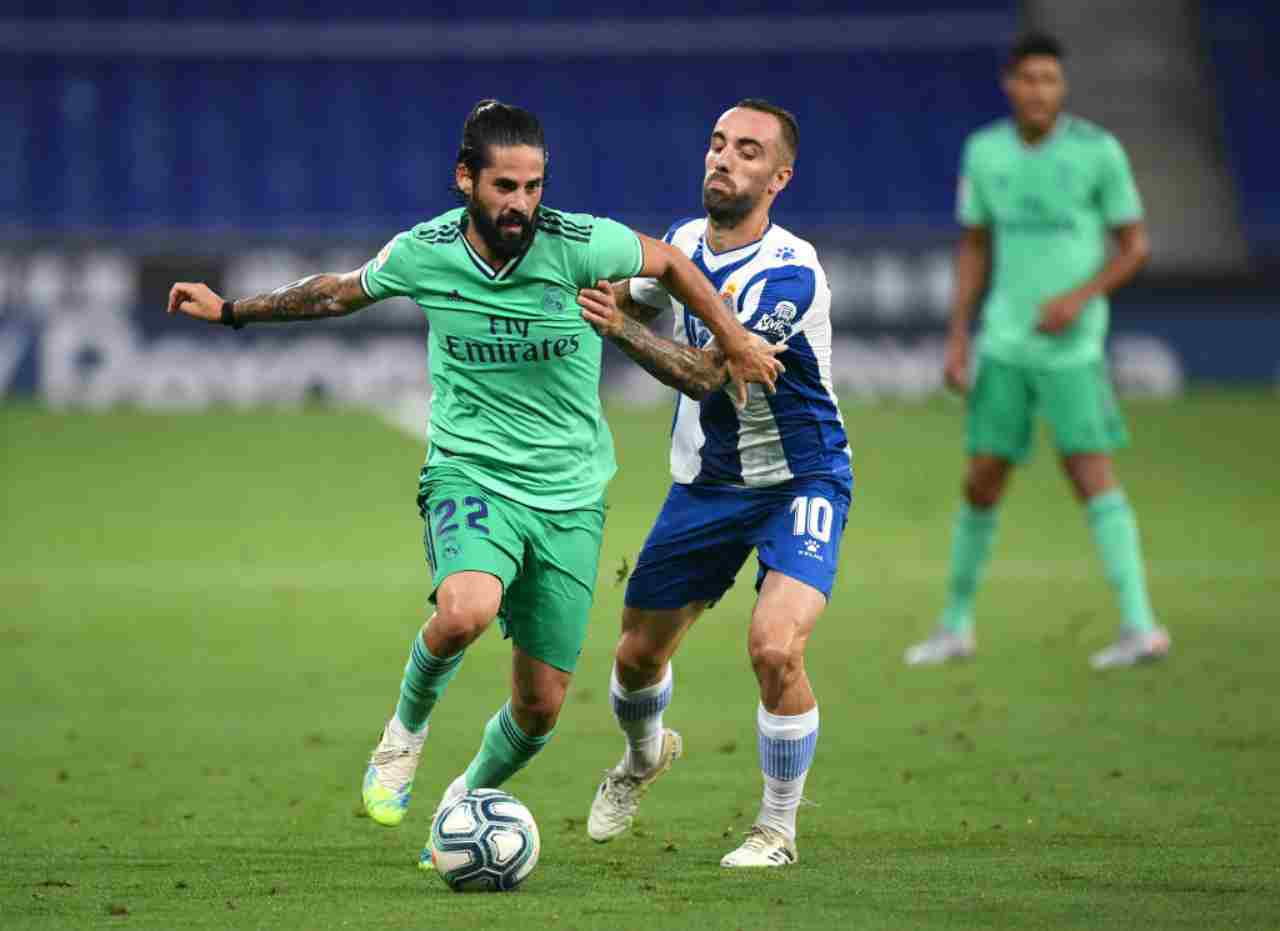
(486, 841)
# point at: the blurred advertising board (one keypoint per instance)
(87, 327)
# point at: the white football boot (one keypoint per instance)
(616, 801)
(763, 847)
(388, 780)
(943, 646)
(1133, 647)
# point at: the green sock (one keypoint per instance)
(1115, 531)
(504, 751)
(970, 547)
(425, 678)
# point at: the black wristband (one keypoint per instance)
(229, 315)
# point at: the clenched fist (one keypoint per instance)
(196, 300)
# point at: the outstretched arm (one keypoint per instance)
(310, 298)
(745, 358)
(636, 310)
(692, 371)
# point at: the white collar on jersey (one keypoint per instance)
(718, 260)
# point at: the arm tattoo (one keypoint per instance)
(630, 306)
(695, 372)
(305, 299)
(641, 312)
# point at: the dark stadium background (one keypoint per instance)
(250, 143)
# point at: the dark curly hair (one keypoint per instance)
(1034, 43)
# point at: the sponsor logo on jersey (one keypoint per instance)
(1035, 215)
(508, 351)
(1031, 214)
(779, 321)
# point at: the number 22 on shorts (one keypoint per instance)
(446, 513)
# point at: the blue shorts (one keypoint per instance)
(705, 533)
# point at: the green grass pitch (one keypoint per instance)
(203, 620)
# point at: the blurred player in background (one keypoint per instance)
(775, 477)
(512, 490)
(1039, 197)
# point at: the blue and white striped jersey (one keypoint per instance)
(778, 289)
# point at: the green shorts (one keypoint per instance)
(546, 560)
(1077, 401)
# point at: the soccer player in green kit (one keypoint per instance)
(1039, 197)
(512, 490)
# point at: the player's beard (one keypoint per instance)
(500, 244)
(727, 209)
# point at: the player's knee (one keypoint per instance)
(1090, 475)
(638, 657)
(981, 497)
(460, 619)
(770, 656)
(536, 715)
(983, 487)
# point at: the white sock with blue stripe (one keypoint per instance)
(786, 745)
(639, 714)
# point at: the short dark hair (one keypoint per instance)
(1034, 43)
(491, 123)
(790, 128)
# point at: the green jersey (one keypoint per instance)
(1049, 208)
(515, 370)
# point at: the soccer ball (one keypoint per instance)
(486, 841)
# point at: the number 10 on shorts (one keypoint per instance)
(812, 516)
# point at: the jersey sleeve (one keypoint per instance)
(971, 209)
(649, 292)
(778, 301)
(1118, 193)
(389, 273)
(613, 252)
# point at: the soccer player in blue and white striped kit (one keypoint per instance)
(774, 476)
